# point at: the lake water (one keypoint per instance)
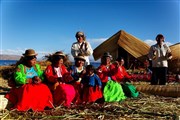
(7, 62)
(10, 62)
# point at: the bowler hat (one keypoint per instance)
(59, 53)
(106, 54)
(30, 52)
(80, 57)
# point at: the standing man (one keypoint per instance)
(159, 54)
(81, 47)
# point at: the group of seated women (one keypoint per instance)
(57, 85)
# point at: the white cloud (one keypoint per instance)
(152, 42)
(97, 40)
(20, 51)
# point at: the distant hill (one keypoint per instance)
(9, 57)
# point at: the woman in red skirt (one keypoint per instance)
(77, 72)
(57, 77)
(29, 91)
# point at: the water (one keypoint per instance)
(7, 62)
(95, 64)
(10, 62)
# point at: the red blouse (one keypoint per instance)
(52, 77)
(120, 73)
(104, 72)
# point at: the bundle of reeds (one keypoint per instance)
(161, 90)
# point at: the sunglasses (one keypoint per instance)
(30, 57)
(79, 36)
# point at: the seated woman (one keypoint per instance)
(104, 71)
(120, 74)
(112, 91)
(77, 72)
(57, 76)
(30, 92)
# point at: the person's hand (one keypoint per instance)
(99, 87)
(82, 73)
(169, 55)
(29, 80)
(36, 80)
(59, 79)
(116, 63)
(154, 52)
(99, 70)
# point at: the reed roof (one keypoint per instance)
(128, 42)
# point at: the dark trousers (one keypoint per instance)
(159, 76)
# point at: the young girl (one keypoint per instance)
(91, 85)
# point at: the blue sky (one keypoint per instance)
(50, 25)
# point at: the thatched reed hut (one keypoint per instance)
(174, 63)
(126, 45)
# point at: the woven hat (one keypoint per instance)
(59, 53)
(80, 57)
(106, 54)
(30, 52)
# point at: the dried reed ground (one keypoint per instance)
(145, 107)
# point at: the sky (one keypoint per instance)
(50, 25)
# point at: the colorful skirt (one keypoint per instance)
(91, 94)
(64, 95)
(30, 96)
(78, 98)
(113, 92)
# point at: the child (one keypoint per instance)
(91, 85)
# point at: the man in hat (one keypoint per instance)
(81, 46)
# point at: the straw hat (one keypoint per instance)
(30, 52)
(107, 54)
(59, 53)
(80, 57)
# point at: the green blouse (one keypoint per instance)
(20, 74)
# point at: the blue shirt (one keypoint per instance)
(92, 80)
(30, 73)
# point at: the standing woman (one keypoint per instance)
(81, 46)
(159, 53)
(30, 92)
(57, 76)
